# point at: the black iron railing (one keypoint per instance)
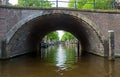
(84, 4)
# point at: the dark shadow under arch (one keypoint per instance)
(58, 22)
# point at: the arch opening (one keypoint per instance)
(26, 38)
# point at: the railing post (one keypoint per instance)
(42, 3)
(113, 4)
(111, 45)
(56, 3)
(75, 4)
(94, 4)
(25, 3)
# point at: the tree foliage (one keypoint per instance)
(35, 3)
(52, 36)
(68, 36)
(91, 4)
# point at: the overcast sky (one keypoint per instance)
(60, 4)
(13, 1)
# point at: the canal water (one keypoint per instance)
(59, 61)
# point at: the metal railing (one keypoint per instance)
(72, 4)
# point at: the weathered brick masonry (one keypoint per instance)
(19, 28)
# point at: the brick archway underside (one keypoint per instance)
(29, 35)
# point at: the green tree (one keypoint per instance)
(53, 36)
(68, 36)
(35, 3)
(91, 4)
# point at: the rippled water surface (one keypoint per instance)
(59, 61)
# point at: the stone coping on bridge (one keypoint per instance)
(114, 11)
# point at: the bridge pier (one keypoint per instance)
(111, 45)
(3, 50)
(78, 49)
(106, 48)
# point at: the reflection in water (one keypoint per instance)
(61, 58)
(59, 61)
(109, 68)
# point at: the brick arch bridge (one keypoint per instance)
(23, 28)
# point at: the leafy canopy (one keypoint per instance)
(91, 4)
(35, 3)
(52, 36)
(68, 36)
